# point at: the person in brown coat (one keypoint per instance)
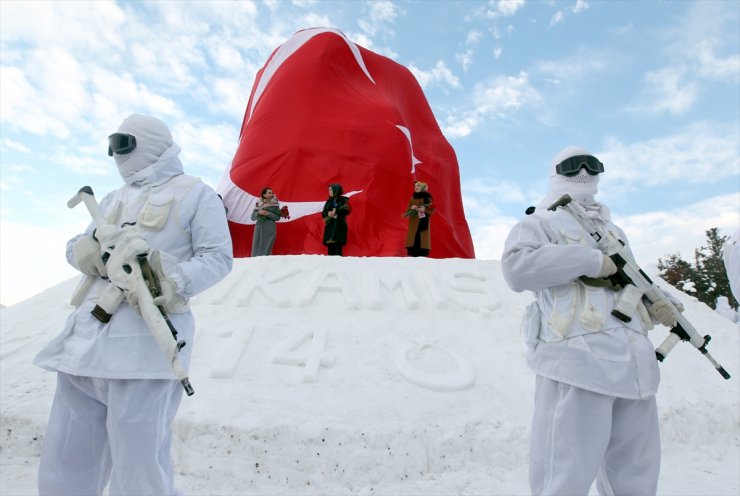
(418, 237)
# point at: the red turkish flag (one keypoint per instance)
(324, 110)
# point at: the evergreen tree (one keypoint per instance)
(706, 280)
(678, 273)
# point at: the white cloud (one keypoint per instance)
(89, 164)
(702, 154)
(465, 59)
(505, 94)
(440, 74)
(208, 148)
(700, 47)
(580, 6)
(230, 97)
(493, 191)
(21, 106)
(577, 8)
(658, 234)
(14, 145)
(557, 18)
(508, 8)
(7, 167)
(489, 237)
(312, 19)
(10, 181)
(383, 10)
(668, 90)
(484, 198)
(652, 235)
(89, 27)
(496, 9)
(473, 38)
(497, 99)
(574, 69)
(379, 16)
(362, 39)
(115, 96)
(713, 67)
(461, 124)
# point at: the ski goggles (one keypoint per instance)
(121, 144)
(573, 165)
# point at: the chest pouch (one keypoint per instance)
(153, 215)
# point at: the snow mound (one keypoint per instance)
(349, 375)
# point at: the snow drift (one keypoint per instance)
(328, 375)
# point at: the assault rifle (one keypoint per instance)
(145, 285)
(635, 284)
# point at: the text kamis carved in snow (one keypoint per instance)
(359, 288)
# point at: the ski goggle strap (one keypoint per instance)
(121, 143)
(573, 165)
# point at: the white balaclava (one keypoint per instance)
(153, 138)
(582, 187)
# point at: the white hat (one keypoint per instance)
(153, 138)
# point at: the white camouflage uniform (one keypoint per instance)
(595, 412)
(116, 395)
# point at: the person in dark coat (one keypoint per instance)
(265, 214)
(336, 210)
(420, 208)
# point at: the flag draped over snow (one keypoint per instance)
(324, 110)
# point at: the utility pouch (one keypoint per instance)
(155, 211)
(531, 322)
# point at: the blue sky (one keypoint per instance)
(651, 87)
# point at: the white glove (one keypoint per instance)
(672, 299)
(167, 292)
(87, 257)
(662, 312)
(129, 245)
(607, 268)
(107, 236)
(168, 288)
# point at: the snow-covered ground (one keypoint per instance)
(326, 375)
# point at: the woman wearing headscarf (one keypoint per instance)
(335, 212)
(266, 212)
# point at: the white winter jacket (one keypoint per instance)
(573, 337)
(185, 220)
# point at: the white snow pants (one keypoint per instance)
(579, 436)
(109, 429)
